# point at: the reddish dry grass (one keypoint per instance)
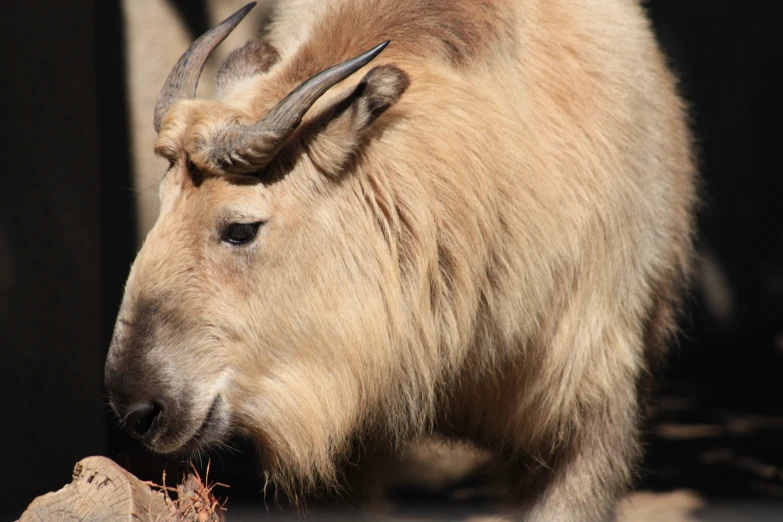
(194, 500)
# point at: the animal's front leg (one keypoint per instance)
(590, 473)
(366, 479)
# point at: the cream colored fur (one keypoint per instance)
(497, 258)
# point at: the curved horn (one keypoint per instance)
(242, 149)
(183, 78)
(286, 116)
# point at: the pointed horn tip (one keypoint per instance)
(380, 47)
(368, 56)
(247, 8)
(237, 17)
(217, 34)
(224, 28)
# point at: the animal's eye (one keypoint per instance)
(240, 233)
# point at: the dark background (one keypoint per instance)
(67, 238)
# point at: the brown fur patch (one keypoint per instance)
(255, 57)
(457, 31)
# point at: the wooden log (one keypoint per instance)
(102, 491)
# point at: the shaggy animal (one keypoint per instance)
(482, 231)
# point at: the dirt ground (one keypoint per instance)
(676, 506)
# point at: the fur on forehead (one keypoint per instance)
(209, 135)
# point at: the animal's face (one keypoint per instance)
(254, 303)
(183, 311)
(246, 303)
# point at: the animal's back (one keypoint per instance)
(539, 142)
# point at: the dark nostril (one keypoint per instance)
(140, 419)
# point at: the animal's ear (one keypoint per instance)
(255, 57)
(339, 132)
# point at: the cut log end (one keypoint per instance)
(102, 490)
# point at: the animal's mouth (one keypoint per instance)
(212, 429)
